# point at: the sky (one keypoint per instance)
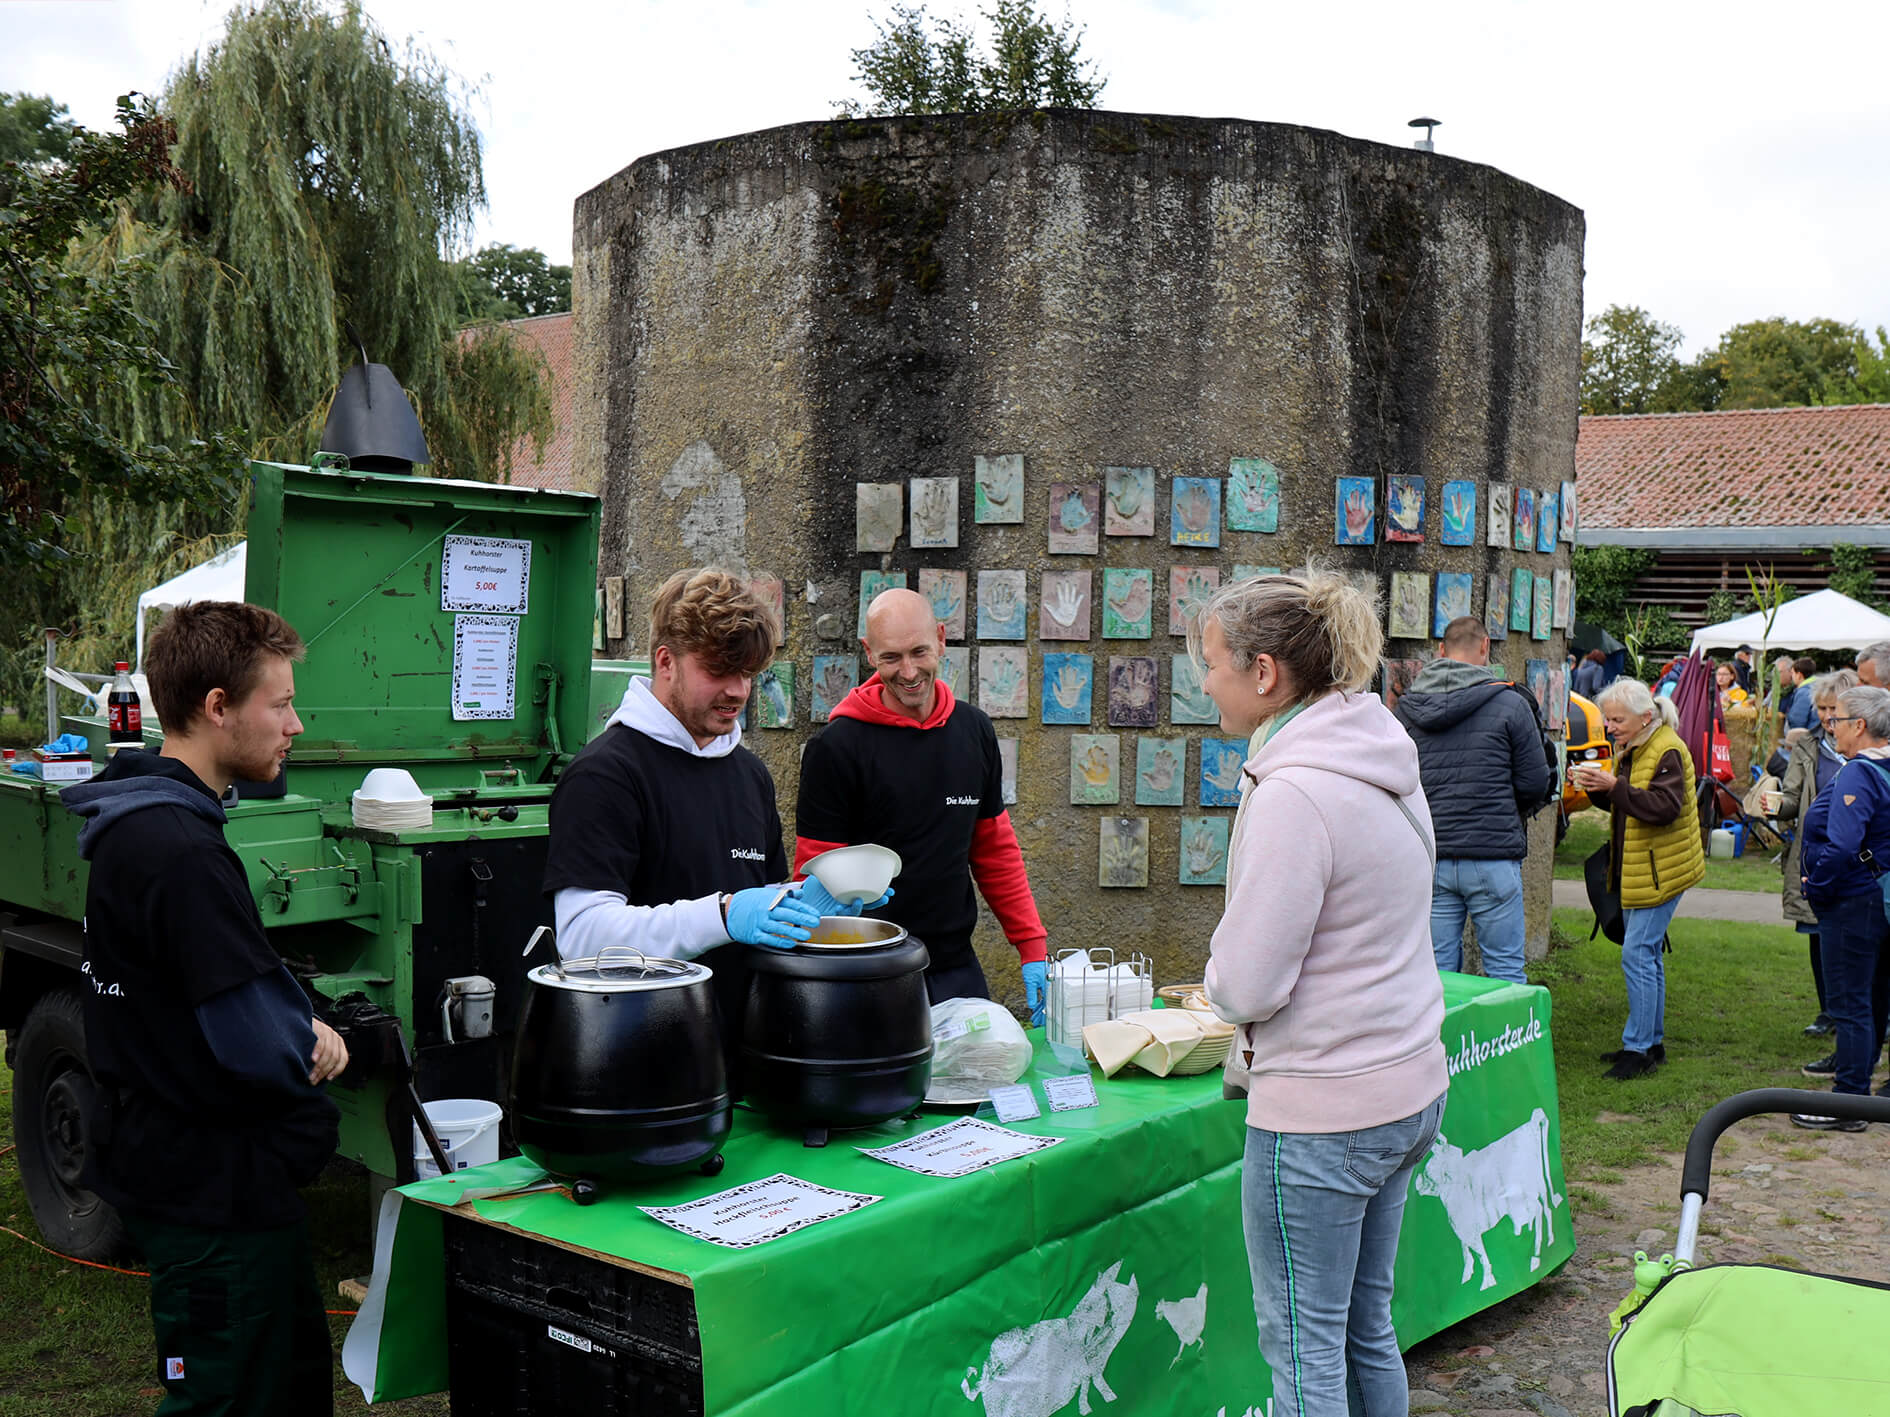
(1733, 160)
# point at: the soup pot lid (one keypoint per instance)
(619, 969)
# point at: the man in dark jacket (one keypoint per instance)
(1480, 759)
(209, 1062)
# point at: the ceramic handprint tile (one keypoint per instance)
(1075, 518)
(997, 496)
(1544, 608)
(1395, 676)
(1565, 513)
(1410, 604)
(1002, 607)
(773, 695)
(1068, 684)
(934, 511)
(1194, 512)
(1564, 615)
(1128, 604)
(945, 592)
(871, 584)
(1161, 770)
(1204, 851)
(1496, 606)
(1122, 853)
(1063, 606)
(835, 676)
(1459, 514)
(878, 511)
(1522, 590)
(1354, 515)
(1404, 508)
(1536, 680)
(1245, 572)
(1007, 770)
(770, 591)
(1095, 777)
(1453, 600)
(1545, 522)
(1128, 501)
(951, 668)
(1134, 694)
(1188, 702)
(1221, 761)
(1525, 520)
(1253, 495)
(1498, 534)
(1004, 681)
(1189, 588)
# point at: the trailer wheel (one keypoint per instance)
(52, 1104)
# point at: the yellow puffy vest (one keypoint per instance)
(1657, 863)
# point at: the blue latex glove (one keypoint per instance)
(814, 894)
(1036, 976)
(65, 743)
(755, 918)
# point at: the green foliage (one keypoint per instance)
(1651, 634)
(1854, 572)
(1780, 363)
(503, 395)
(1725, 604)
(1604, 580)
(502, 282)
(74, 338)
(34, 129)
(922, 65)
(1628, 362)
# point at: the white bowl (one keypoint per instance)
(391, 785)
(855, 873)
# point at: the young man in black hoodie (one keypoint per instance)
(209, 1062)
(1480, 760)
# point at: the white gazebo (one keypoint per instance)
(1825, 619)
(219, 578)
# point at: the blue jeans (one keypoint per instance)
(1490, 892)
(1856, 985)
(1321, 1212)
(1644, 928)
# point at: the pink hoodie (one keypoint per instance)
(1323, 956)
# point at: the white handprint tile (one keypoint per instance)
(1063, 610)
(878, 509)
(1498, 533)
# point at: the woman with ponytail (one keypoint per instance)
(1323, 961)
(1654, 854)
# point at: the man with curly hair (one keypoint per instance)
(664, 830)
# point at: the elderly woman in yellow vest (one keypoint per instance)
(1656, 853)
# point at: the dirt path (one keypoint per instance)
(1779, 1195)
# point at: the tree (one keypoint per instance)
(922, 65)
(1604, 583)
(1780, 363)
(34, 129)
(1629, 364)
(502, 282)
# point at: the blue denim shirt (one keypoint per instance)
(1852, 814)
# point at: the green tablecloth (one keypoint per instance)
(1007, 1285)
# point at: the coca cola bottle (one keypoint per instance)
(124, 717)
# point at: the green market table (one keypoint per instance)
(1109, 1266)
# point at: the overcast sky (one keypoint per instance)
(1733, 160)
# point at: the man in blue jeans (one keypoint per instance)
(1480, 758)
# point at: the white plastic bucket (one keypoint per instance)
(468, 1128)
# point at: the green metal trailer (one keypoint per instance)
(417, 598)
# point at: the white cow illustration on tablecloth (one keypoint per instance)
(1508, 1179)
(1035, 1371)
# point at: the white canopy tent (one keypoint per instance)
(1825, 619)
(219, 578)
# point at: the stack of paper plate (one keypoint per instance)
(389, 800)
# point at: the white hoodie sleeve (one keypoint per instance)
(1277, 875)
(588, 921)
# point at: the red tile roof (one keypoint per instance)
(551, 334)
(1774, 467)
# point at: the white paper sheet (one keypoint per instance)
(485, 667)
(759, 1211)
(487, 573)
(959, 1148)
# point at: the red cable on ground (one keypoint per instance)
(74, 1259)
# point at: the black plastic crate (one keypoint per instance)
(536, 1330)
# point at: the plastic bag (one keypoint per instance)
(976, 1045)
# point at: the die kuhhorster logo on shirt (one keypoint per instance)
(962, 801)
(747, 853)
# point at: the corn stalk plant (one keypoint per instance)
(1769, 594)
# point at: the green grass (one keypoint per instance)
(1737, 997)
(77, 1341)
(15, 732)
(1754, 871)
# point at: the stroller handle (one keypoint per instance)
(1695, 1175)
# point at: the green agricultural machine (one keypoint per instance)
(449, 630)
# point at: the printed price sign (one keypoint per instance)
(485, 667)
(959, 1148)
(1015, 1103)
(486, 573)
(1069, 1094)
(759, 1211)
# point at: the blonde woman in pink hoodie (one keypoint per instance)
(1323, 959)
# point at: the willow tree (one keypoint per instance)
(330, 175)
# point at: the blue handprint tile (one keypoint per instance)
(871, 584)
(1354, 511)
(1002, 607)
(1546, 514)
(1194, 516)
(1525, 520)
(945, 590)
(1404, 508)
(1204, 851)
(1187, 700)
(1221, 760)
(1453, 600)
(1068, 688)
(1253, 495)
(1460, 514)
(1522, 589)
(1496, 606)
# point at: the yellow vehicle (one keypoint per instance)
(1587, 743)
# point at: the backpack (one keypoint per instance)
(1552, 755)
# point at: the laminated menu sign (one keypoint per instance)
(959, 1148)
(489, 573)
(485, 667)
(1070, 1094)
(759, 1211)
